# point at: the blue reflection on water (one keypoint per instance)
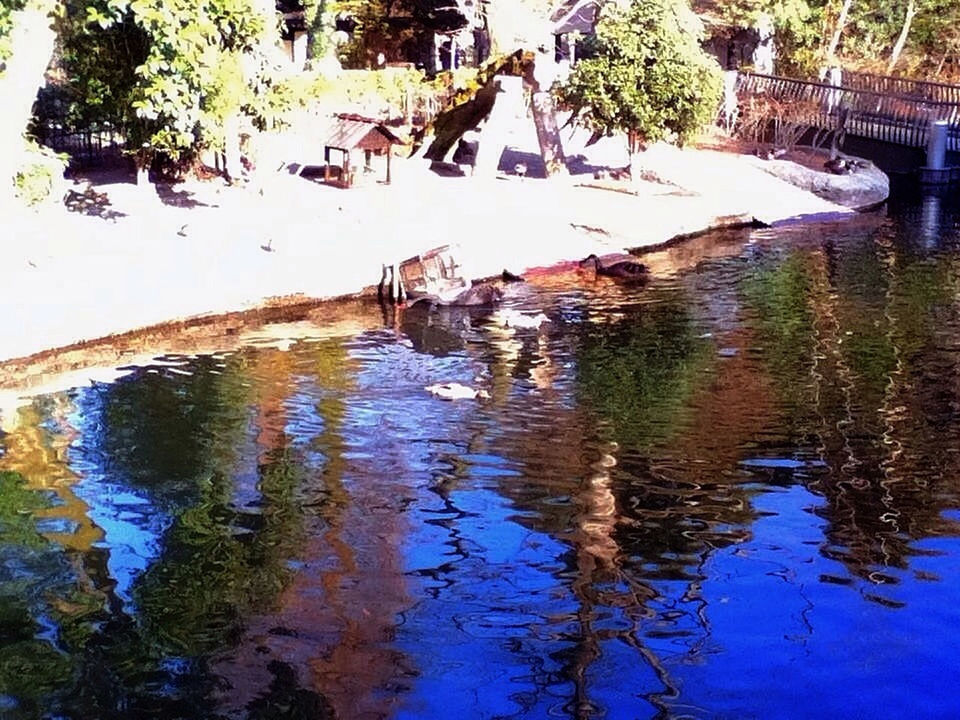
(132, 525)
(729, 494)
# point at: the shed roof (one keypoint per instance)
(581, 15)
(575, 16)
(349, 132)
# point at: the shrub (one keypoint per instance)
(39, 177)
(647, 74)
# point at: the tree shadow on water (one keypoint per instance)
(287, 701)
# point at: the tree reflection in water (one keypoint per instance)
(660, 510)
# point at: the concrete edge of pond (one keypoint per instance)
(143, 275)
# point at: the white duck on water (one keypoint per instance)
(456, 391)
(509, 318)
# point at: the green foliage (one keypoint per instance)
(171, 73)
(804, 28)
(384, 90)
(98, 59)
(777, 300)
(222, 563)
(318, 21)
(17, 505)
(7, 8)
(39, 178)
(639, 373)
(648, 74)
(203, 65)
(372, 33)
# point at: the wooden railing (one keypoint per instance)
(892, 118)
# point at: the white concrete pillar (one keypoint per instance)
(299, 51)
(937, 145)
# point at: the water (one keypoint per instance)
(731, 494)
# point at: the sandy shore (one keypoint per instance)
(207, 249)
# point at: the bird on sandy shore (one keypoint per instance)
(771, 154)
(838, 166)
(622, 270)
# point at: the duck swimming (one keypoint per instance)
(623, 269)
(456, 391)
(509, 318)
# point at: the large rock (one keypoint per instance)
(865, 187)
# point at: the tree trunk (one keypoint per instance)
(904, 32)
(548, 134)
(231, 154)
(31, 41)
(838, 30)
(943, 61)
(545, 114)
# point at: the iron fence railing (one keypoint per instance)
(888, 84)
(91, 146)
(898, 119)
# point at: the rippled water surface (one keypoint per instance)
(734, 493)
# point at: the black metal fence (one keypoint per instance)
(898, 119)
(94, 146)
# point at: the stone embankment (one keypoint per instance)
(202, 249)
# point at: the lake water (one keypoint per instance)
(733, 493)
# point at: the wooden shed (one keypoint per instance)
(350, 134)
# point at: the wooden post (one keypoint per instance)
(389, 153)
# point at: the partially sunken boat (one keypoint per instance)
(435, 276)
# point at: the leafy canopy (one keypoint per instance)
(199, 64)
(648, 75)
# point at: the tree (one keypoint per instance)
(648, 75)
(204, 66)
(96, 69)
(838, 28)
(937, 37)
(911, 13)
(26, 45)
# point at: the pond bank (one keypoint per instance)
(203, 249)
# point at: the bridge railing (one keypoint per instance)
(897, 119)
(920, 89)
